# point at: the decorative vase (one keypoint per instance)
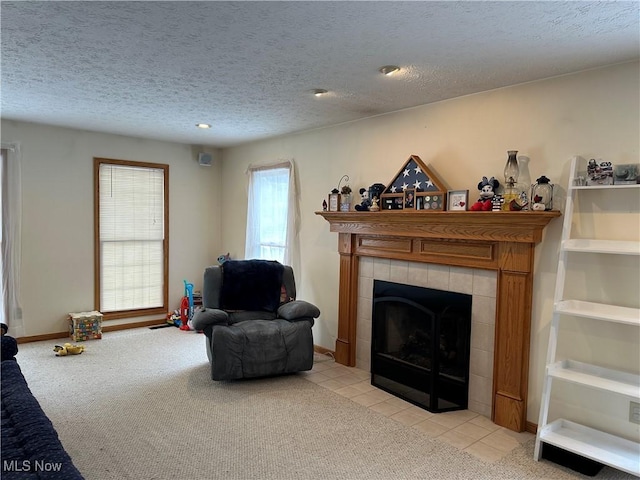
(511, 173)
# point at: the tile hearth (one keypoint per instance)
(464, 429)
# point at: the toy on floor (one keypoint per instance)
(487, 187)
(173, 318)
(68, 349)
(186, 306)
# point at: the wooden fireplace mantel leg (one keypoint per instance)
(512, 335)
(347, 301)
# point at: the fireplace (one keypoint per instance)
(502, 242)
(420, 345)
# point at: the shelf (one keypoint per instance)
(602, 246)
(593, 444)
(606, 448)
(603, 187)
(599, 311)
(593, 376)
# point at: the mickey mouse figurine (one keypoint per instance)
(365, 202)
(487, 189)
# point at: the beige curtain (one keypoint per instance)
(11, 226)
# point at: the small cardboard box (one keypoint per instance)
(85, 326)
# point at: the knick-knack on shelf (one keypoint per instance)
(542, 194)
(511, 174)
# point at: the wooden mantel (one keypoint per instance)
(501, 241)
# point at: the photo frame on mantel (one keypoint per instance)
(457, 200)
(334, 202)
(409, 198)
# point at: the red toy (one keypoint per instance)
(186, 306)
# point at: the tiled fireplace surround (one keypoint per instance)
(481, 284)
(489, 254)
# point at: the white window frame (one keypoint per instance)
(127, 308)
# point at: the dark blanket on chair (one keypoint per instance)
(251, 285)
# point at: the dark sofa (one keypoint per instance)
(30, 445)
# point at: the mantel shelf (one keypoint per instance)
(502, 226)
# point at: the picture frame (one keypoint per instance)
(457, 200)
(393, 201)
(409, 199)
(334, 202)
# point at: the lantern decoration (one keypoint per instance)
(542, 194)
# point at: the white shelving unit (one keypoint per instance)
(583, 440)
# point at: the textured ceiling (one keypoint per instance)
(154, 69)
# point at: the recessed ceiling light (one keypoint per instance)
(389, 69)
(318, 92)
(203, 125)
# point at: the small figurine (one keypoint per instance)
(496, 203)
(324, 205)
(487, 189)
(519, 203)
(374, 205)
(365, 203)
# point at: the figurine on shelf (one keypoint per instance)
(365, 203)
(324, 205)
(496, 203)
(374, 205)
(487, 187)
(520, 203)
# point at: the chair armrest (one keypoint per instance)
(209, 316)
(298, 309)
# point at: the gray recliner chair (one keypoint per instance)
(253, 324)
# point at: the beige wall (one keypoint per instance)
(57, 204)
(593, 114)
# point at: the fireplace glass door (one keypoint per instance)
(420, 345)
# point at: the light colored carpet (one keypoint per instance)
(140, 404)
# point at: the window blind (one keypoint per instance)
(131, 236)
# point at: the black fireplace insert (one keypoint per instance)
(420, 345)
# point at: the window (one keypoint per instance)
(271, 213)
(131, 238)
